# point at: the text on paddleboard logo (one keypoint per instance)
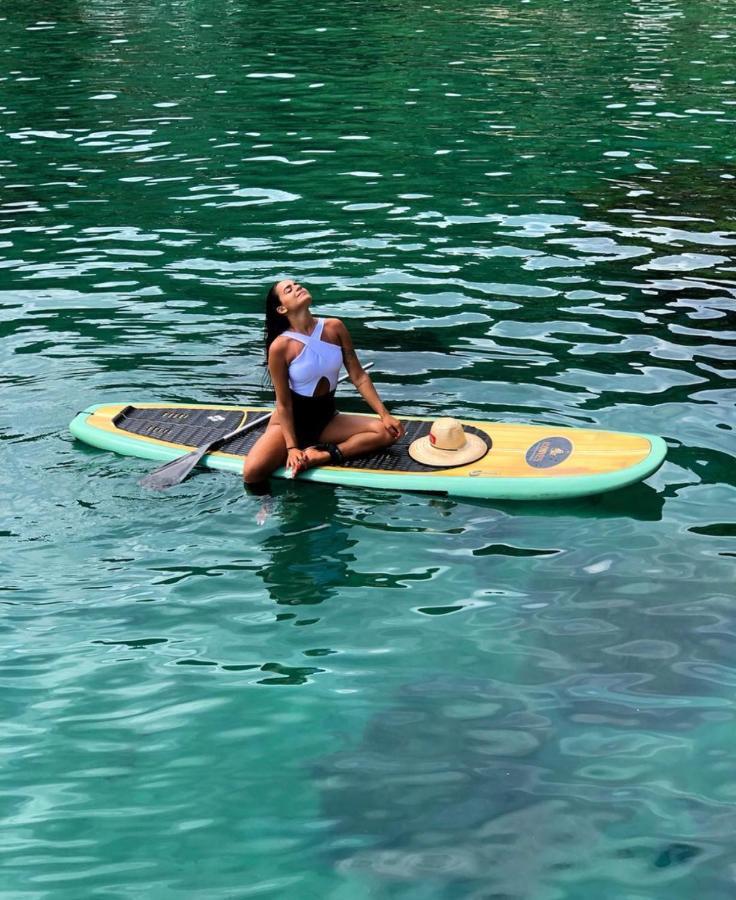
(548, 452)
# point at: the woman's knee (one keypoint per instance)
(254, 473)
(384, 435)
(266, 455)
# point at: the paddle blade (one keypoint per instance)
(173, 472)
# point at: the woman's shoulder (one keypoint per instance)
(278, 347)
(334, 327)
(279, 342)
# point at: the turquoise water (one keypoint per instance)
(523, 211)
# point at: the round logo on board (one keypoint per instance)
(548, 452)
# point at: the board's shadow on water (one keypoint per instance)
(638, 501)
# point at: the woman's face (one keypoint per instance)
(292, 296)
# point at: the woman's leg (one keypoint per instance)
(265, 456)
(354, 436)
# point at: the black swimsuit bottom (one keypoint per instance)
(311, 415)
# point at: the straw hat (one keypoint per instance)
(447, 444)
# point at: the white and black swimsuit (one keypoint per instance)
(318, 359)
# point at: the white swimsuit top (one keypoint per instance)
(319, 359)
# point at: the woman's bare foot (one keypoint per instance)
(314, 457)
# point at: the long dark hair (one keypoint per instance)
(276, 323)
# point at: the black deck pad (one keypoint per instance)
(190, 427)
(194, 427)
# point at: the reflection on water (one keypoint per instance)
(524, 212)
(308, 553)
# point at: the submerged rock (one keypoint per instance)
(460, 784)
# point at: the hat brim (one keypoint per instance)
(423, 452)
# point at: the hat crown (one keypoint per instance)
(447, 434)
(448, 445)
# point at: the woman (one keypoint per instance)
(304, 356)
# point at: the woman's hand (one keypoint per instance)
(296, 461)
(393, 426)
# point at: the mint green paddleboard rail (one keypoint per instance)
(524, 462)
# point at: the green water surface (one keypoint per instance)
(523, 210)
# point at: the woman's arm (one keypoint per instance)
(278, 368)
(362, 381)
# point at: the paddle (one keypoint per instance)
(178, 469)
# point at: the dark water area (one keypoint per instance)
(523, 211)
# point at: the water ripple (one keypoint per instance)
(523, 213)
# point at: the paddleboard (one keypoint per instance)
(522, 462)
